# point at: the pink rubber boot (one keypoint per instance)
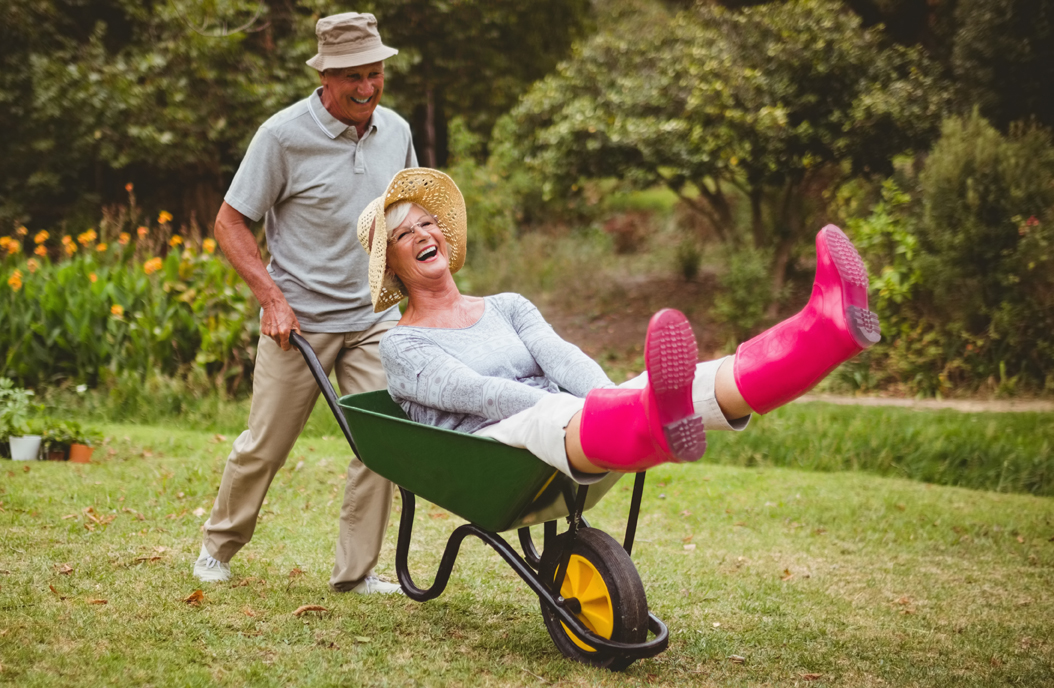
(631, 430)
(787, 360)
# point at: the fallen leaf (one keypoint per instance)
(689, 548)
(687, 538)
(154, 558)
(25, 469)
(787, 575)
(68, 516)
(296, 572)
(1021, 539)
(811, 677)
(61, 597)
(438, 514)
(686, 513)
(219, 438)
(361, 639)
(97, 602)
(737, 659)
(309, 608)
(195, 598)
(65, 569)
(717, 624)
(199, 512)
(248, 612)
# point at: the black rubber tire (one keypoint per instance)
(628, 602)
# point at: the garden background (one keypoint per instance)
(617, 156)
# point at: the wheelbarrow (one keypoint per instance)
(591, 596)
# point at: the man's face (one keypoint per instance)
(351, 94)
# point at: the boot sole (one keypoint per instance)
(862, 324)
(671, 354)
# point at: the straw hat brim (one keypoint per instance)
(435, 192)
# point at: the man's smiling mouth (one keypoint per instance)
(362, 102)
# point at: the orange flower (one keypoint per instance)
(71, 248)
(151, 266)
(141, 231)
(93, 278)
(164, 217)
(5, 242)
(33, 265)
(21, 231)
(117, 310)
(209, 245)
(41, 237)
(124, 238)
(15, 280)
(176, 240)
(101, 247)
(14, 247)
(88, 237)
(67, 240)
(41, 251)
(128, 187)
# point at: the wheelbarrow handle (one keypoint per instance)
(330, 394)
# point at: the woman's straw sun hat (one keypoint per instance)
(435, 192)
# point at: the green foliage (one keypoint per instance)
(988, 234)
(470, 59)
(97, 93)
(60, 434)
(104, 312)
(1005, 452)
(963, 267)
(705, 102)
(1003, 59)
(15, 408)
(746, 292)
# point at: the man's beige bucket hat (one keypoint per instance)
(435, 192)
(348, 40)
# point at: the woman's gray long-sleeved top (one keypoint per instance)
(466, 379)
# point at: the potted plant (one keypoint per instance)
(83, 443)
(58, 435)
(14, 422)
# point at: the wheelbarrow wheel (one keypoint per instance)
(602, 577)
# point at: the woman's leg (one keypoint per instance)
(785, 361)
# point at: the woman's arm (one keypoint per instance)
(421, 372)
(562, 362)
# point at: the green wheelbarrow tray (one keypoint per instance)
(483, 481)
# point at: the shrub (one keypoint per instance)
(110, 308)
(962, 266)
(746, 290)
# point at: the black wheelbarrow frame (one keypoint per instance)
(542, 495)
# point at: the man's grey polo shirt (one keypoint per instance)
(310, 176)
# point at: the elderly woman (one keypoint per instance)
(493, 367)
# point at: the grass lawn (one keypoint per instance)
(813, 578)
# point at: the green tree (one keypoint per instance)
(1003, 59)
(471, 59)
(760, 104)
(98, 93)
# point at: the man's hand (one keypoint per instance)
(278, 321)
(239, 245)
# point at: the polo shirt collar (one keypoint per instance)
(329, 124)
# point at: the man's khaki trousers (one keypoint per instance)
(284, 393)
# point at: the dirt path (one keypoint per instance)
(964, 405)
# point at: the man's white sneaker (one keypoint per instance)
(210, 570)
(371, 585)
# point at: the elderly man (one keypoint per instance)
(309, 172)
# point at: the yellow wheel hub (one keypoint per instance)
(584, 583)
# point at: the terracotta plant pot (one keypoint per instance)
(80, 453)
